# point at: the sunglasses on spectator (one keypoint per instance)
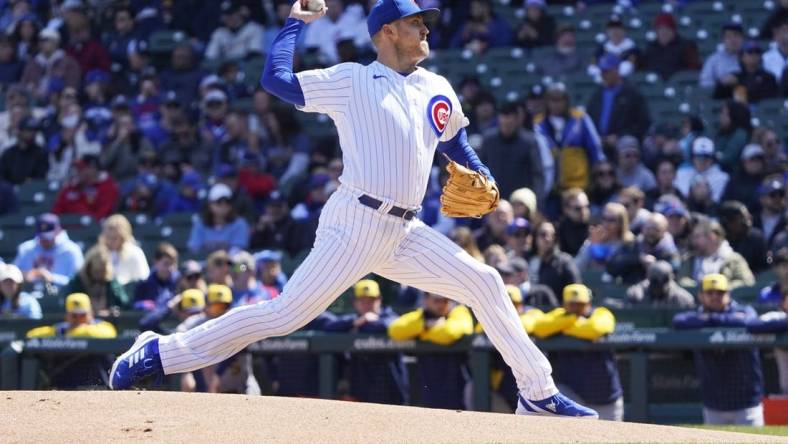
(223, 200)
(221, 263)
(605, 173)
(777, 194)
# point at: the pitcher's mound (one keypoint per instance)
(202, 418)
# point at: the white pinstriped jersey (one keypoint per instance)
(388, 124)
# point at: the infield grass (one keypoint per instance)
(767, 430)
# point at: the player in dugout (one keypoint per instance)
(589, 375)
(86, 371)
(380, 378)
(731, 380)
(443, 377)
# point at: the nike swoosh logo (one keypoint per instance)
(377, 76)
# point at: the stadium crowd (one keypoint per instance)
(678, 211)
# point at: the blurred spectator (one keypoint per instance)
(92, 192)
(774, 293)
(442, 378)
(463, 236)
(775, 155)
(692, 127)
(670, 52)
(322, 36)
(270, 274)
(549, 265)
(275, 228)
(233, 375)
(512, 154)
(775, 60)
(11, 66)
(720, 69)
(484, 29)
(160, 285)
(237, 38)
(631, 172)
(659, 289)
(616, 107)
(703, 164)
(756, 83)
(128, 260)
(51, 257)
(126, 81)
(524, 204)
(519, 240)
(124, 147)
(25, 33)
(572, 137)
(516, 272)
(25, 159)
(189, 195)
(191, 277)
(15, 303)
(574, 221)
(634, 200)
(745, 239)
(771, 219)
(731, 380)
(117, 41)
(217, 268)
(247, 289)
(80, 371)
(700, 199)
(236, 142)
(591, 376)
(632, 260)
(605, 239)
(538, 28)
(380, 378)
(214, 108)
(252, 180)
(48, 64)
(183, 305)
(241, 200)
(85, 49)
(565, 57)
(496, 226)
(733, 135)
(619, 44)
(604, 187)
(96, 278)
(747, 178)
(713, 254)
(775, 322)
(187, 146)
(679, 223)
(484, 116)
(776, 17)
(663, 142)
(182, 77)
(219, 227)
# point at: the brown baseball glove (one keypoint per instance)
(468, 193)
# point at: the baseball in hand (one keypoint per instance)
(315, 5)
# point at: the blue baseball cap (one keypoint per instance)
(387, 11)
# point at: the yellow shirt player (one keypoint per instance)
(589, 375)
(528, 315)
(79, 322)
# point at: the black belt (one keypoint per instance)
(373, 203)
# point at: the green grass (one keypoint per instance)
(768, 430)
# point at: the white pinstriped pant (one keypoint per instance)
(352, 241)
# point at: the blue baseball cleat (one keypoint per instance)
(556, 405)
(139, 362)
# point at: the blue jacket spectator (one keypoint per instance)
(187, 199)
(117, 40)
(13, 301)
(219, 228)
(380, 378)
(731, 380)
(183, 77)
(161, 285)
(51, 257)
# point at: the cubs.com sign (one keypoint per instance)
(438, 113)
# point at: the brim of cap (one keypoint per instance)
(429, 13)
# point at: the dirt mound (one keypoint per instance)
(197, 418)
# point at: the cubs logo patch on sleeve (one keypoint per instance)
(438, 113)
